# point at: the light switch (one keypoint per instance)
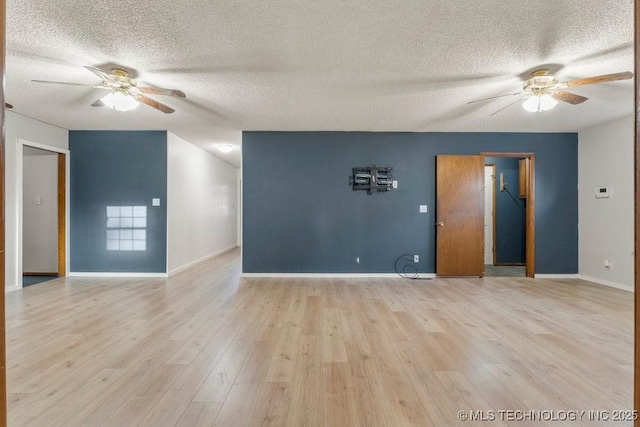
(155, 202)
(423, 208)
(395, 184)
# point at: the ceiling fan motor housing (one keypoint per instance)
(541, 82)
(122, 77)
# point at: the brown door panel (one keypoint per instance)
(460, 215)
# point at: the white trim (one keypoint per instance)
(333, 275)
(20, 143)
(67, 223)
(11, 288)
(42, 146)
(586, 278)
(241, 210)
(98, 274)
(606, 283)
(204, 258)
(556, 276)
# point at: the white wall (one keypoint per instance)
(40, 211)
(21, 127)
(201, 203)
(605, 158)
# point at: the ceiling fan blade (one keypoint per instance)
(601, 79)
(506, 106)
(104, 75)
(161, 91)
(70, 84)
(155, 104)
(495, 97)
(568, 97)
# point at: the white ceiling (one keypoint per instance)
(366, 65)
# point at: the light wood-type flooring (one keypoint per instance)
(206, 347)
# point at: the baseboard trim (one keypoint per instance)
(29, 273)
(587, 279)
(556, 276)
(135, 275)
(192, 263)
(606, 283)
(332, 275)
(11, 288)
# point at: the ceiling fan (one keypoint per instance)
(544, 90)
(125, 94)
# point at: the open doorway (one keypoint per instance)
(489, 212)
(43, 214)
(460, 200)
(509, 214)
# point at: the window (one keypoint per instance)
(126, 228)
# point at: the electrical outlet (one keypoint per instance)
(357, 260)
(416, 258)
(607, 263)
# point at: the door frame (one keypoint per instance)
(63, 201)
(530, 211)
(493, 212)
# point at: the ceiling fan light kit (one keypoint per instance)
(537, 103)
(119, 101)
(540, 86)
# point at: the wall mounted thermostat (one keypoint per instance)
(602, 192)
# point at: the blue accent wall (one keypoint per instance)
(117, 168)
(510, 212)
(301, 215)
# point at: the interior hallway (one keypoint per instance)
(206, 347)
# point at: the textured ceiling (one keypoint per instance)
(366, 65)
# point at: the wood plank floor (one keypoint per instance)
(206, 348)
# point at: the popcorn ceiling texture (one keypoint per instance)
(318, 65)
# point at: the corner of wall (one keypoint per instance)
(605, 159)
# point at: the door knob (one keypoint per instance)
(440, 224)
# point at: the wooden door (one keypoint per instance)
(460, 215)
